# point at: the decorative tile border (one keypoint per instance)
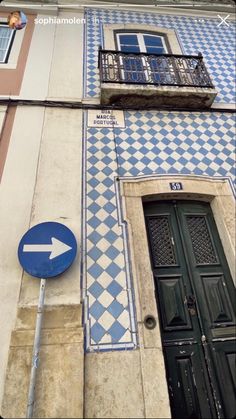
(108, 292)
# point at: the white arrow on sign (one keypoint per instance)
(56, 248)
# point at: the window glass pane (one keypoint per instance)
(128, 39)
(2, 53)
(138, 69)
(5, 37)
(133, 70)
(153, 41)
(5, 30)
(153, 50)
(4, 43)
(129, 48)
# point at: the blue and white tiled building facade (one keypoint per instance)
(152, 143)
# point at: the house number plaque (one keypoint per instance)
(176, 186)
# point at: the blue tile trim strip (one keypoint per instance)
(109, 316)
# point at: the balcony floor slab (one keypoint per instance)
(149, 96)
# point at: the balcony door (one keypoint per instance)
(138, 68)
(195, 298)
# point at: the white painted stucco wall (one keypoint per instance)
(37, 71)
(54, 68)
(16, 196)
(57, 197)
(42, 174)
(66, 77)
(41, 182)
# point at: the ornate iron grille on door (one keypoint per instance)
(201, 241)
(161, 241)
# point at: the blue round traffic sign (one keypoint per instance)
(47, 249)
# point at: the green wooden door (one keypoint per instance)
(195, 297)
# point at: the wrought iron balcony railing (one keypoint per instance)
(155, 69)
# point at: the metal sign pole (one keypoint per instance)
(45, 251)
(36, 348)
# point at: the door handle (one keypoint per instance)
(191, 301)
(191, 304)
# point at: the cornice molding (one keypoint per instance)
(186, 8)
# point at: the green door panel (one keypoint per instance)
(224, 358)
(195, 299)
(172, 300)
(189, 389)
(173, 287)
(210, 275)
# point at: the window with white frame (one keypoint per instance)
(6, 39)
(146, 66)
(141, 42)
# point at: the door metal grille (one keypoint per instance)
(201, 241)
(161, 241)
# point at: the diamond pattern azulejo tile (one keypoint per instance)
(215, 42)
(186, 143)
(108, 307)
(152, 143)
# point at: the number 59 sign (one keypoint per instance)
(176, 186)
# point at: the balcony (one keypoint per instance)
(134, 80)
